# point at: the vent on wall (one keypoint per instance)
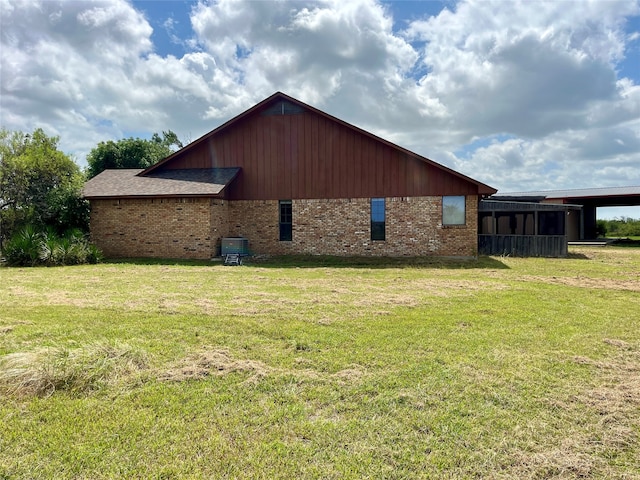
(283, 107)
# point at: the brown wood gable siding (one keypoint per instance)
(310, 156)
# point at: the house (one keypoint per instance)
(291, 179)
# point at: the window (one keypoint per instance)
(283, 107)
(453, 210)
(377, 219)
(286, 220)
(551, 223)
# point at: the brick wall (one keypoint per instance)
(163, 228)
(193, 228)
(258, 220)
(342, 227)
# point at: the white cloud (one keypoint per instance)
(544, 72)
(529, 91)
(526, 69)
(66, 66)
(573, 159)
(312, 50)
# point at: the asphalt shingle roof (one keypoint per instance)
(163, 183)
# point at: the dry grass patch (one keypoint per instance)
(44, 371)
(610, 430)
(617, 399)
(213, 362)
(562, 462)
(349, 376)
(217, 362)
(586, 282)
(254, 294)
(617, 343)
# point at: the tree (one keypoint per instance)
(131, 152)
(620, 227)
(39, 184)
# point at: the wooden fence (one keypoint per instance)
(523, 245)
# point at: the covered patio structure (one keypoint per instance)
(588, 198)
(525, 229)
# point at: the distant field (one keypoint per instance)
(323, 368)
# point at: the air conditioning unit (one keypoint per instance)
(235, 245)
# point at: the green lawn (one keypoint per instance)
(323, 368)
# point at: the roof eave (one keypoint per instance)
(177, 195)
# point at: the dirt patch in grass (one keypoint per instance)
(6, 329)
(213, 362)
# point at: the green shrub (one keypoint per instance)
(94, 254)
(24, 249)
(30, 247)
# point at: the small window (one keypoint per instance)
(453, 210)
(283, 108)
(377, 219)
(286, 221)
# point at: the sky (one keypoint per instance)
(535, 95)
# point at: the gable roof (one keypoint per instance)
(129, 183)
(483, 189)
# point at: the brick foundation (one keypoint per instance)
(193, 228)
